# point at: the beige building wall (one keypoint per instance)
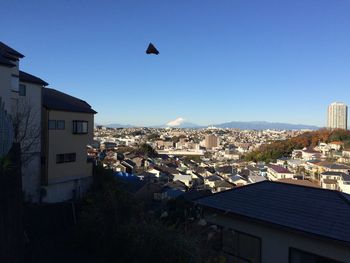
(275, 243)
(63, 178)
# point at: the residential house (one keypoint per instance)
(184, 178)
(256, 223)
(330, 179)
(256, 179)
(210, 180)
(222, 186)
(276, 172)
(21, 98)
(253, 170)
(67, 124)
(237, 180)
(336, 145)
(129, 166)
(344, 183)
(28, 106)
(310, 154)
(345, 158)
(171, 190)
(333, 167)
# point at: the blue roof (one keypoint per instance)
(320, 212)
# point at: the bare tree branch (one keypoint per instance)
(27, 130)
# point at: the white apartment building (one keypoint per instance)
(337, 116)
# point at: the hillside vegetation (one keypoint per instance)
(278, 149)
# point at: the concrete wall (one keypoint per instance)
(275, 243)
(62, 191)
(61, 178)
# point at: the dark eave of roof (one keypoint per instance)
(56, 100)
(28, 78)
(6, 62)
(6, 49)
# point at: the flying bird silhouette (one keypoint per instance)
(152, 49)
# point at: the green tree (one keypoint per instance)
(146, 150)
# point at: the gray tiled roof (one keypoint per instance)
(312, 210)
(26, 77)
(56, 100)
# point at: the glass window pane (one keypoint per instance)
(60, 125)
(22, 90)
(85, 127)
(80, 127)
(14, 83)
(52, 125)
(59, 158)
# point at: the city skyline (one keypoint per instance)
(233, 61)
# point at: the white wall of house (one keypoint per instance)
(65, 190)
(185, 178)
(154, 171)
(5, 86)
(275, 243)
(31, 169)
(273, 175)
(344, 186)
(5, 110)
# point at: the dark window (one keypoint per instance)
(60, 125)
(69, 157)
(52, 125)
(80, 127)
(65, 157)
(242, 247)
(59, 158)
(56, 125)
(22, 90)
(299, 256)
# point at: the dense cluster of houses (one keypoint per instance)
(252, 212)
(52, 128)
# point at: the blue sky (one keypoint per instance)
(219, 61)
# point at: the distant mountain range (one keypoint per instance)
(263, 125)
(117, 125)
(243, 125)
(183, 125)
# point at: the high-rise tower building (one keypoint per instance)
(337, 116)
